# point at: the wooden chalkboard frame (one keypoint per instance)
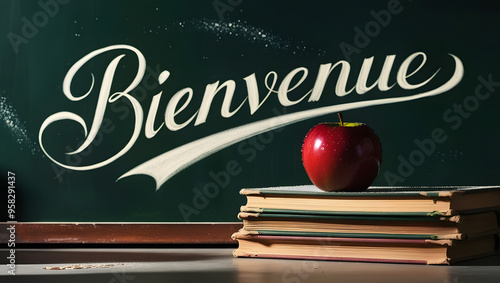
(49, 233)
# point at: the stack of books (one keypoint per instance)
(425, 225)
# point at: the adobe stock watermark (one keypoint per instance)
(76, 159)
(31, 26)
(11, 223)
(299, 271)
(252, 146)
(454, 117)
(372, 29)
(220, 180)
(121, 277)
(302, 270)
(223, 6)
(148, 84)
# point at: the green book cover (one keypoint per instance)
(371, 226)
(315, 215)
(374, 191)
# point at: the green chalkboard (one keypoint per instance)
(161, 111)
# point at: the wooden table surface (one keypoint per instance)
(128, 265)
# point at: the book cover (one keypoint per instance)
(445, 201)
(416, 251)
(370, 226)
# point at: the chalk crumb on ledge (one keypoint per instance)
(79, 266)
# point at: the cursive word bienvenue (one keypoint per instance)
(164, 166)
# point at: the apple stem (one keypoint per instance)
(340, 118)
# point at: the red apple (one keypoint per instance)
(342, 156)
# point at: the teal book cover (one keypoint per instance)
(458, 227)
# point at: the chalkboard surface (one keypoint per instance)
(161, 111)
